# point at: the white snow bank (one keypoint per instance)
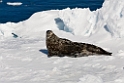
(111, 17)
(106, 22)
(14, 3)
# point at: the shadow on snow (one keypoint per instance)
(44, 51)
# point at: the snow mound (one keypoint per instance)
(111, 17)
(108, 20)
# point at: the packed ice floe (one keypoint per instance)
(23, 53)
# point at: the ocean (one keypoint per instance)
(10, 13)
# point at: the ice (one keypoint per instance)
(76, 21)
(14, 3)
(23, 53)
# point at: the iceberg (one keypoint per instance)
(14, 3)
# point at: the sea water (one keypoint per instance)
(16, 13)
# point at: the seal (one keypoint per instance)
(63, 47)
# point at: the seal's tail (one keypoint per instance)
(108, 53)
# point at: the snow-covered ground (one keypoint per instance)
(14, 3)
(23, 54)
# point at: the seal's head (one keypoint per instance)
(50, 34)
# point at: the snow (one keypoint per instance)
(23, 53)
(14, 3)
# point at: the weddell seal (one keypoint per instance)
(63, 47)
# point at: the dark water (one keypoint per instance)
(24, 11)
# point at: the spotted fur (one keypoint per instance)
(63, 47)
